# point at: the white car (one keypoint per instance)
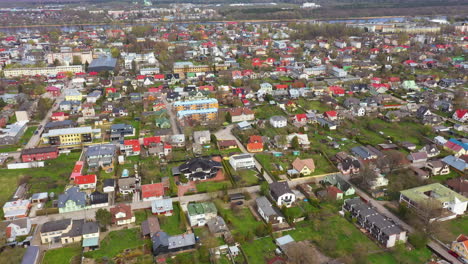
(5, 154)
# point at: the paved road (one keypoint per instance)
(172, 117)
(35, 139)
(226, 134)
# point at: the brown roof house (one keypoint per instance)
(150, 226)
(460, 185)
(241, 114)
(303, 166)
(122, 214)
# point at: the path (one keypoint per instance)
(172, 118)
(226, 134)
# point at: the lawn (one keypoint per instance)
(62, 255)
(141, 215)
(259, 250)
(27, 135)
(247, 178)
(116, 242)
(172, 224)
(313, 105)
(240, 220)
(453, 228)
(40, 179)
(8, 148)
(12, 255)
(332, 235)
(266, 111)
(212, 186)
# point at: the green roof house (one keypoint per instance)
(200, 213)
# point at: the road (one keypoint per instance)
(226, 134)
(35, 139)
(173, 119)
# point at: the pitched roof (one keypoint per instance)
(85, 179)
(152, 190)
(299, 164)
(279, 188)
(127, 209)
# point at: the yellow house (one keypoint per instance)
(73, 95)
(304, 167)
(70, 136)
(460, 246)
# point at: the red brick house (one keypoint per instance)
(34, 154)
(152, 191)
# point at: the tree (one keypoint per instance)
(76, 60)
(115, 52)
(301, 252)
(264, 188)
(104, 218)
(86, 66)
(228, 117)
(213, 138)
(57, 62)
(282, 140)
(2, 103)
(418, 239)
(295, 143)
(391, 161)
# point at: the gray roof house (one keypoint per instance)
(268, 212)
(72, 200)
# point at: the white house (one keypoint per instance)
(16, 209)
(278, 121)
(265, 88)
(268, 212)
(461, 115)
(282, 194)
(122, 214)
(242, 161)
(18, 227)
(200, 213)
(337, 72)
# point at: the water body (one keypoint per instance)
(74, 28)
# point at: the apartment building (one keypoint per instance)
(385, 230)
(16, 72)
(70, 136)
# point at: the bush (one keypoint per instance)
(47, 211)
(418, 240)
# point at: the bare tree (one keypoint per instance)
(392, 160)
(301, 253)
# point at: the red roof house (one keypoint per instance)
(86, 181)
(152, 191)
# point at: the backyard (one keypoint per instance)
(39, 179)
(116, 242)
(62, 255)
(172, 224)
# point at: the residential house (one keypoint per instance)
(268, 212)
(163, 243)
(460, 247)
(218, 227)
(120, 131)
(71, 200)
(303, 166)
(131, 147)
(449, 200)
(461, 115)
(122, 214)
(108, 185)
(241, 114)
(150, 226)
(18, 227)
(457, 147)
(418, 157)
(255, 144)
(86, 181)
(456, 163)
(200, 213)
(90, 235)
(383, 229)
(162, 207)
(40, 153)
(198, 169)
(242, 161)
(126, 185)
(151, 192)
(340, 183)
(460, 185)
(431, 150)
(51, 231)
(97, 199)
(227, 144)
(437, 167)
(278, 121)
(101, 156)
(202, 137)
(282, 194)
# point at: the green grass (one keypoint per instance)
(27, 135)
(258, 251)
(212, 186)
(453, 228)
(116, 242)
(141, 216)
(12, 255)
(267, 111)
(62, 255)
(240, 221)
(313, 105)
(382, 258)
(172, 224)
(51, 178)
(8, 149)
(247, 178)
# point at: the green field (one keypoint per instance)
(240, 220)
(62, 255)
(212, 186)
(40, 179)
(27, 135)
(258, 251)
(172, 224)
(116, 242)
